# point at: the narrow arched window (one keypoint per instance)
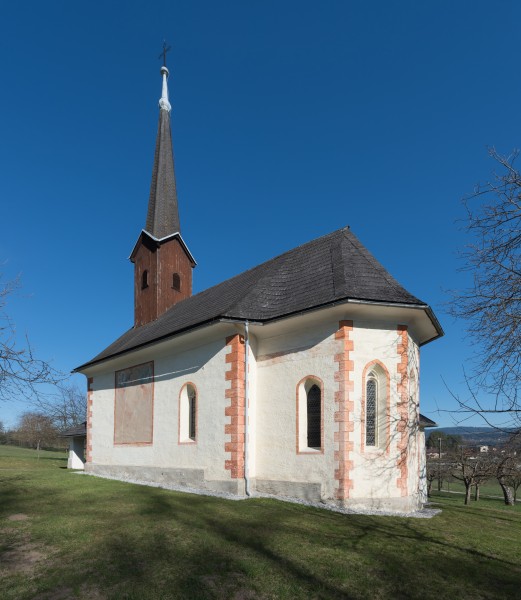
(310, 415)
(192, 399)
(371, 410)
(314, 417)
(144, 279)
(188, 414)
(176, 282)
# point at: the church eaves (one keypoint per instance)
(163, 212)
(332, 269)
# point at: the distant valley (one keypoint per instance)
(479, 436)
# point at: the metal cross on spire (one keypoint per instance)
(163, 54)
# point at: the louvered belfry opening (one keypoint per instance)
(370, 413)
(314, 417)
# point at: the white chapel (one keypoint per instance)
(297, 378)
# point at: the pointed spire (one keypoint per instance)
(163, 213)
(163, 102)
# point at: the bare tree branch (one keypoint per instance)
(22, 374)
(491, 306)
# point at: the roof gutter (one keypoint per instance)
(164, 338)
(217, 319)
(428, 310)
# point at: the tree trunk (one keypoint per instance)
(476, 493)
(468, 490)
(507, 493)
(429, 488)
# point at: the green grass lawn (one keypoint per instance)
(489, 488)
(64, 535)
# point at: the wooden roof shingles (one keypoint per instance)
(326, 270)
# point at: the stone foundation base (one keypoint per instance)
(311, 492)
(189, 478)
(397, 505)
(194, 479)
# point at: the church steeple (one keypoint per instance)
(162, 262)
(163, 212)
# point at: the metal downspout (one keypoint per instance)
(246, 409)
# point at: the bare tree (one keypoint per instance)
(508, 469)
(472, 470)
(36, 430)
(431, 474)
(514, 478)
(491, 305)
(66, 408)
(22, 374)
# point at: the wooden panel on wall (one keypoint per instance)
(134, 405)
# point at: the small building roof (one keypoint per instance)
(426, 422)
(76, 431)
(333, 268)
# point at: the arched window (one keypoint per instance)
(375, 406)
(188, 414)
(176, 282)
(144, 279)
(310, 415)
(192, 399)
(314, 417)
(371, 410)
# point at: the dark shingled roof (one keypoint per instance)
(331, 268)
(77, 430)
(163, 213)
(426, 422)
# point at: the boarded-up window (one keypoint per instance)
(134, 405)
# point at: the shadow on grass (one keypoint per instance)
(207, 550)
(144, 542)
(11, 494)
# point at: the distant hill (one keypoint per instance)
(479, 436)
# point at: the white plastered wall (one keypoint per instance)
(175, 364)
(252, 392)
(416, 457)
(375, 471)
(284, 358)
(281, 355)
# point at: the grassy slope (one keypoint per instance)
(92, 538)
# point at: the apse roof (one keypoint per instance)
(333, 268)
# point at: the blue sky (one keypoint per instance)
(290, 120)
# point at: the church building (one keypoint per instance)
(297, 378)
